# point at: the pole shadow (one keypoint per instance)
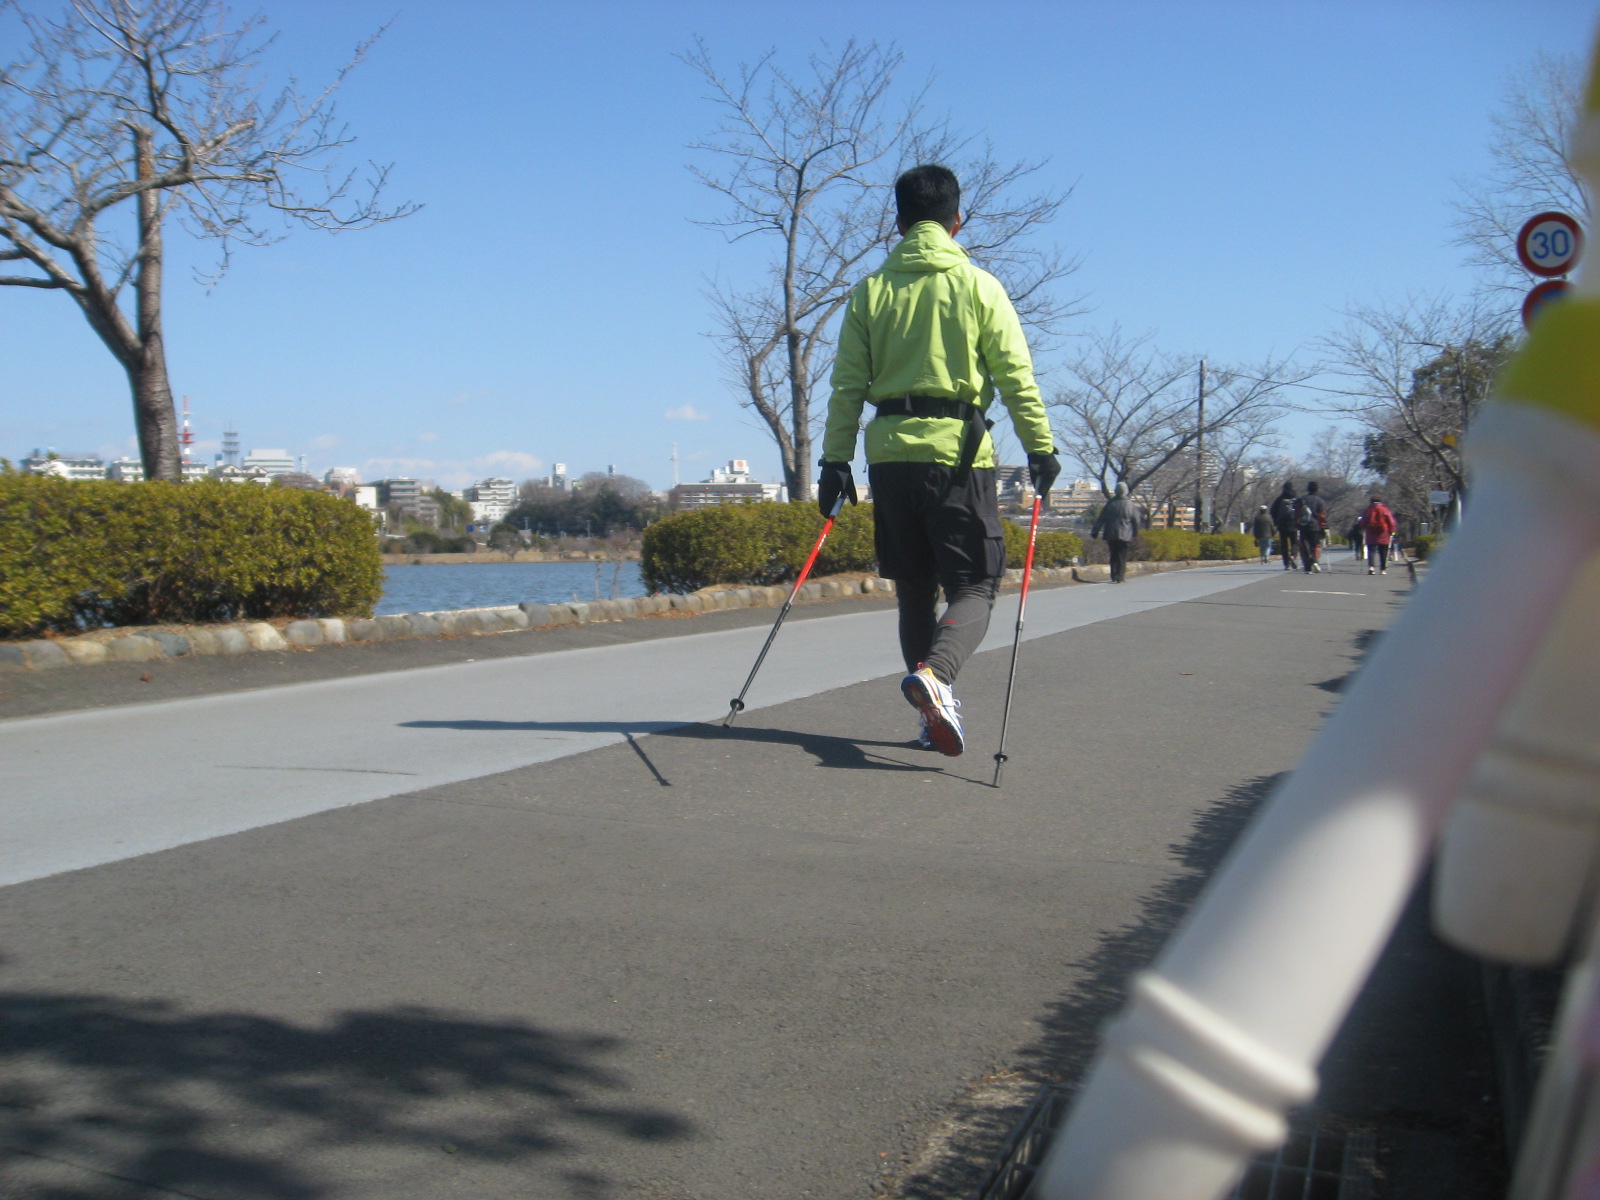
(830, 751)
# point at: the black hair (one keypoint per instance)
(1311, 486)
(927, 193)
(1288, 490)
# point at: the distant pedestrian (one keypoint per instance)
(1311, 523)
(1118, 523)
(1358, 541)
(1283, 518)
(1262, 530)
(1378, 524)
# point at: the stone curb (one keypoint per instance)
(130, 645)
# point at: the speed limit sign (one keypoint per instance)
(1549, 244)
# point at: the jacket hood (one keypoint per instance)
(928, 247)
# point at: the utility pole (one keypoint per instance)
(1200, 454)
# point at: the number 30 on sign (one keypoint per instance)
(1549, 244)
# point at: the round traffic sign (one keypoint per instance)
(1549, 244)
(1543, 294)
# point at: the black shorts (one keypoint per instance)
(927, 528)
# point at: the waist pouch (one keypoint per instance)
(943, 406)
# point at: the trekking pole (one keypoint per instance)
(1022, 605)
(737, 705)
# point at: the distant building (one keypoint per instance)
(1076, 499)
(273, 462)
(228, 473)
(491, 499)
(64, 466)
(727, 485)
(342, 478)
(297, 479)
(558, 477)
(411, 497)
(125, 470)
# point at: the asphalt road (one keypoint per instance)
(529, 926)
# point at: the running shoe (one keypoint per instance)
(938, 705)
(923, 740)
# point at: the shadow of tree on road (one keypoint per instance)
(141, 1092)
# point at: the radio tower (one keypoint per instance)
(230, 445)
(186, 438)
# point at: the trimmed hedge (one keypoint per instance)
(764, 544)
(1228, 546)
(84, 554)
(1168, 545)
(757, 544)
(1051, 548)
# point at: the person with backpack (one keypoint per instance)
(1283, 519)
(1310, 523)
(1378, 526)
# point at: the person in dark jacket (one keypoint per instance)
(1262, 529)
(1283, 518)
(1118, 523)
(1311, 523)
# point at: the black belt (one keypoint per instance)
(944, 406)
(925, 406)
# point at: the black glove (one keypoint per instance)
(835, 481)
(1042, 472)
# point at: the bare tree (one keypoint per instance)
(1528, 173)
(1413, 377)
(1129, 413)
(124, 113)
(807, 162)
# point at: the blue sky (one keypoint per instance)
(1241, 173)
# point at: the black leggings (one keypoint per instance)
(943, 642)
(1378, 555)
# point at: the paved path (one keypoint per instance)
(92, 787)
(563, 956)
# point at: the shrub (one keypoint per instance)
(1422, 549)
(78, 555)
(1051, 548)
(758, 544)
(1227, 546)
(1169, 545)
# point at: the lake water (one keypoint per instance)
(409, 588)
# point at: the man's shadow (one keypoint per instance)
(830, 751)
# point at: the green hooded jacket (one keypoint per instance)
(929, 323)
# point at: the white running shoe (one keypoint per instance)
(923, 740)
(938, 705)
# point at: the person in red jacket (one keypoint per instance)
(1377, 526)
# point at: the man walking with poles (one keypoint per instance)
(928, 340)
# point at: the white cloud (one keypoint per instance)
(325, 441)
(687, 412)
(512, 460)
